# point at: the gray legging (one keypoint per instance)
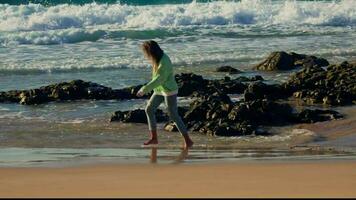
(172, 109)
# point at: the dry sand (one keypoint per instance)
(255, 179)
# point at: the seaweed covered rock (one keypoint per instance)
(287, 61)
(335, 85)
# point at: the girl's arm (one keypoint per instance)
(162, 74)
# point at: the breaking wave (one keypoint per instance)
(68, 23)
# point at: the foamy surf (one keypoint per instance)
(39, 24)
(285, 136)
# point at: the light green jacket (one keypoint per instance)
(163, 80)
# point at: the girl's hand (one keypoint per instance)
(140, 93)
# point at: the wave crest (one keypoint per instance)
(21, 23)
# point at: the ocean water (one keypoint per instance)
(48, 41)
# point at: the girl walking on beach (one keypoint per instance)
(164, 89)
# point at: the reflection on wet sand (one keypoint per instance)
(179, 159)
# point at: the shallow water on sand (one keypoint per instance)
(61, 157)
(43, 143)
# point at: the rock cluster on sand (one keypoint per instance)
(189, 85)
(286, 61)
(335, 85)
(217, 115)
(212, 112)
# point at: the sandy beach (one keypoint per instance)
(274, 179)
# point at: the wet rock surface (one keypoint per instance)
(189, 85)
(281, 60)
(73, 90)
(317, 115)
(335, 85)
(260, 90)
(216, 115)
(136, 116)
(228, 69)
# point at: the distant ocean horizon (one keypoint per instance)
(129, 2)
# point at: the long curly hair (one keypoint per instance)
(153, 51)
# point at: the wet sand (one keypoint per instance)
(339, 134)
(254, 179)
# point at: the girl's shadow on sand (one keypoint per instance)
(179, 159)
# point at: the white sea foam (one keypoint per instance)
(38, 24)
(286, 136)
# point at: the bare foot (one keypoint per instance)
(151, 141)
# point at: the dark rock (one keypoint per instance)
(262, 112)
(257, 78)
(217, 115)
(311, 61)
(317, 115)
(12, 96)
(246, 79)
(73, 90)
(96, 91)
(195, 85)
(228, 130)
(136, 116)
(189, 83)
(228, 69)
(225, 86)
(34, 96)
(335, 85)
(287, 61)
(277, 61)
(128, 93)
(260, 90)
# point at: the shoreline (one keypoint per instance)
(278, 179)
(73, 157)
